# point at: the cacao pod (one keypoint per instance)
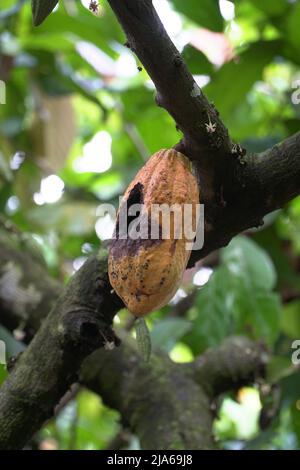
(146, 272)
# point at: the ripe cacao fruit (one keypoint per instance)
(146, 273)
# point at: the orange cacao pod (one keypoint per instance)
(146, 273)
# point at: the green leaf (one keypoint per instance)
(67, 218)
(256, 308)
(196, 61)
(235, 79)
(212, 312)
(85, 26)
(272, 8)
(237, 299)
(206, 13)
(143, 339)
(292, 27)
(257, 314)
(278, 368)
(167, 332)
(295, 417)
(11, 10)
(245, 259)
(41, 9)
(290, 322)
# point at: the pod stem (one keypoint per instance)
(143, 339)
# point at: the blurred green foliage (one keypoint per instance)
(77, 107)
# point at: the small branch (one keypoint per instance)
(136, 139)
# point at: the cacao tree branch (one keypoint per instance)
(147, 396)
(262, 183)
(237, 190)
(177, 91)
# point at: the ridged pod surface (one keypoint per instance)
(146, 273)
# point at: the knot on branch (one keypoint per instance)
(82, 332)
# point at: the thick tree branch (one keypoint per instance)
(147, 396)
(177, 91)
(263, 183)
(237, 190)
